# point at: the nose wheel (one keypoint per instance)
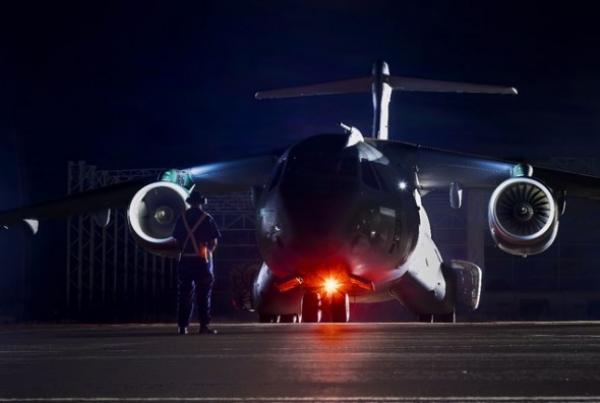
(438, 318)
(334, 307)
(268, 318)
(289, 318)
(339, 307)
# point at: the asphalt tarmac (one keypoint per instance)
(291, 362)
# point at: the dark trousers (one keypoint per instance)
(194, 285)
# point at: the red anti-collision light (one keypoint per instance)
(331, 285)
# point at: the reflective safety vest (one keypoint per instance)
(199, 250)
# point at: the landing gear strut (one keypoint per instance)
(268, 318)
(334, 307)
(438, 318)
(445, 318)
(338, 305)
(289, 318)
(311, 307)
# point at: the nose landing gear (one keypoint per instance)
(333, 307)
(339, 307)
(311, 307)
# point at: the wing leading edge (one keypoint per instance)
(113, 196)
(437, 169)
(211, 179)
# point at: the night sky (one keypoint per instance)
(126, 84)
(164, 83)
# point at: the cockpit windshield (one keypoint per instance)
(327, 167)
(320, 161)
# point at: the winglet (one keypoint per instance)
(31, 224)
(102, 217)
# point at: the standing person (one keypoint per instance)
(197, 236)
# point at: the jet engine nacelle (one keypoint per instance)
(152, 215)
(523, 216)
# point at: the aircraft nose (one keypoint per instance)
(317, 224)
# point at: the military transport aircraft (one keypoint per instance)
(339, 216)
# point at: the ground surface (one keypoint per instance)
(356, 362)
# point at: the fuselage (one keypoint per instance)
(337, 209)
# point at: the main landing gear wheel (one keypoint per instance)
(438, 318)
(339, 306)
(262, 318)
(311, 307)
(289, 318)
(445, 318)
(425, 318)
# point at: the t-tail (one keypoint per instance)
(381, 84)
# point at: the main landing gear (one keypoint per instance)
(289, 318)
(438, 318)
(330, 307)
(311, 307)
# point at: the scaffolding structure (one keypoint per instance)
(108, 276)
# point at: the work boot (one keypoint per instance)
(183, 330)
(204, 329)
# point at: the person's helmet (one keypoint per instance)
(195, 198)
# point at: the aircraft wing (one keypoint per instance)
(215, 178)
(90, 201)
(233, 176)
(438, 168)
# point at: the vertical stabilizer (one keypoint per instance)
(382, 93)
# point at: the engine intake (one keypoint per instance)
(523, 216)
(152, 215)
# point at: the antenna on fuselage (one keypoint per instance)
(381, 84)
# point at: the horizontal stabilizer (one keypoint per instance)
(397, 83)
(331, 88)
(422, 85)
(381, 84)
